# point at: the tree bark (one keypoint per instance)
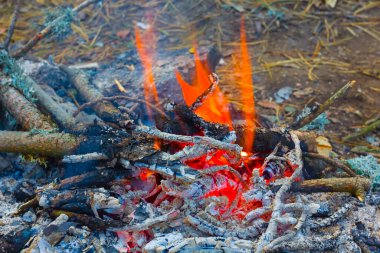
(50, 144)
(25, 113)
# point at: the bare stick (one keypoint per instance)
(149, 222)
(302, 121)
(42, 34)
(90, 104)
(12, 26)
(232, 148)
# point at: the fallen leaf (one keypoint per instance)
(331, 3)
(2, 30)
(123, 33)
(323, 146)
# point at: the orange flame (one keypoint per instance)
(146, 55)
(215, 107)
(243, 67)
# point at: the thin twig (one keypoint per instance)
(42, 34)
(215, 169)
(12, 26)
(363, 131)
(149, 222)
(91, 103)
(95, 156)
(302, 121)
(231, 148)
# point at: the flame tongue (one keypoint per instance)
(146, 55)
(215, 107)
(243, 67)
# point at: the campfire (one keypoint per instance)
(150, 174)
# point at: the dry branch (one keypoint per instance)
(43, 99)
(25, 113)
(46, 31)
(60, 144)
(357, 186)
(47, 144)
(212, 143)
(12, 26)
(46, 101)
(302, 121)
(105, 110)
(363, 131)
(113, 98)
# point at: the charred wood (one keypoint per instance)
(86, 220)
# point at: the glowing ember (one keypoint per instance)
(216, 107)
